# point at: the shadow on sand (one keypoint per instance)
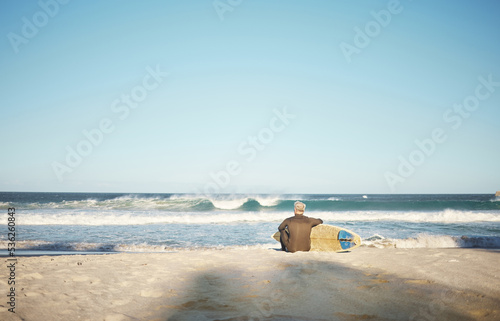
(316, 290)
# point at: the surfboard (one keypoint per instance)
(329, 238)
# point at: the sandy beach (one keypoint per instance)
(258, 284)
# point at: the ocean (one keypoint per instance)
(120, 222)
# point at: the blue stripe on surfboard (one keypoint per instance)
(344, 235)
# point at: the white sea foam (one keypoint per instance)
(37, 245)
(433, 241)
(427, 241)
(232, 202)
(268, 201)
(143, 218)
(229, 204)
(87, 247)
(127, 217)
(4, 205)
(446, 216)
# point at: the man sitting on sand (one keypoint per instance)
(298, 236)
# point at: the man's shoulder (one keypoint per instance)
(314, 219)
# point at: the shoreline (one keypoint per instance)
(420, 242)
(240, 284)
(38, 253)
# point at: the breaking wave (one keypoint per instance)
(248, 202)
(172, 203)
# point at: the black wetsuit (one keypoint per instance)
(298, 237)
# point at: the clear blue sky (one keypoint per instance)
(172, 92)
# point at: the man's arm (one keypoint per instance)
(283, 225)
(317, 221)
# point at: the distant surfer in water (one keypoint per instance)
(295, 231)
